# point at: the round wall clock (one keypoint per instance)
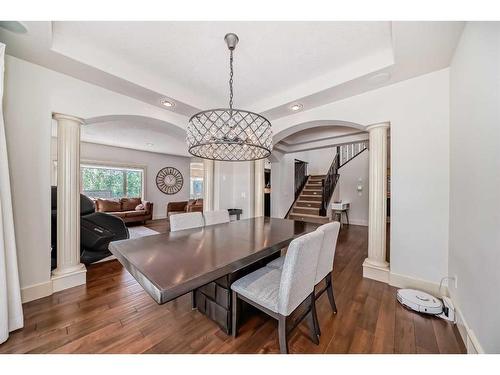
(169, 180)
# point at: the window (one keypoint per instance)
(99, 181)
(196, 180)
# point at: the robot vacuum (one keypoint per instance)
(420, 301)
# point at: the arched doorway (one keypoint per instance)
(319, 136)
(126, 132)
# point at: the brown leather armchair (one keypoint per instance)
(176, 208)
(193, 205)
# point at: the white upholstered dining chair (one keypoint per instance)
(325, 261)
(186, 221)
(279, 292)
(216, 217)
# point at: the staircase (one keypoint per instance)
(312, 200)
(308, 204)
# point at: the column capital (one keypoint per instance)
(61, 116)
(386, 125)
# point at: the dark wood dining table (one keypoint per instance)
(175, 263)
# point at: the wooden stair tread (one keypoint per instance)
(309, 218)
(306, 208)
(309, 215)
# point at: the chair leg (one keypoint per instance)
(315, 316)
(313, 320)
(329, 291)
(235, 313)
(282, 334)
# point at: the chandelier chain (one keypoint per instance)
(231, 79)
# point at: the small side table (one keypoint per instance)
(235, 212)
(339, 209)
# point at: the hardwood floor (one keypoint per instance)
(113, 314)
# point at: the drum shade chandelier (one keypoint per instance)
(229, 134)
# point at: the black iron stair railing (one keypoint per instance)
(329, 182)
(300, 177)
(300, 181)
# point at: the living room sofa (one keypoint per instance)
(130, 210)
(192, 205)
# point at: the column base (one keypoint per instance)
(379, 272)
(69, 279)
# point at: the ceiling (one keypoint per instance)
(135, 132)
(276, 64)
(320, 137)
(318, 133)
(270, 57)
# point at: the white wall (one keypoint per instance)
(474, 254)
(282, 185)
(32, 93)
(319, 160)
(418, 110)
(356, 169)
(151, 161)
(234, 187)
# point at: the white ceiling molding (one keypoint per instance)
(151, 123)
(134, 132)
(305, 125)
(322, 143)
(318, 134)
(279, 63)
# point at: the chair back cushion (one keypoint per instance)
(299, 271)
(216, 217)
(186, 221)
(129, 204)
(327, 253)
(108, 205)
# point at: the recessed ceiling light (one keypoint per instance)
(296, 107)
(149, 144)
(167, 103)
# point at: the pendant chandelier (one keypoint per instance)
(229, 134)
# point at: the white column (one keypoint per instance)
(69, 272)
(208, 185)
(259, 188)
(375, 266)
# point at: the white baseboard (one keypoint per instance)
(157, 217)
(402, 281)
(468, 336)
(69, 280)
(374, 272)
(363, 223)
(36, 291)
